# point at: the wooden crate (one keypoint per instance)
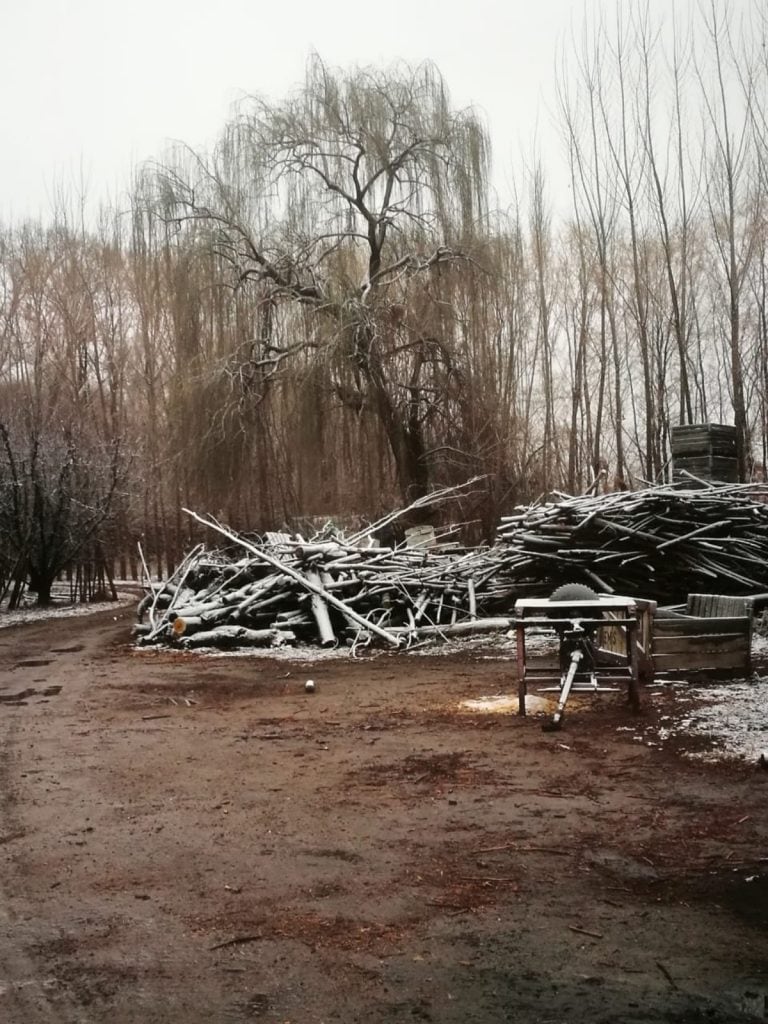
(705, 450)
(707, 467)
(612, 639)
(703, 439)
(714, 635)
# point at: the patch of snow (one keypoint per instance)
(731, 715)
(305, 654)
(62, 611)
(502, 648)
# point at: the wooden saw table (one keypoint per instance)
(611, 623)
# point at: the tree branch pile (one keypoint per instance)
(330, 590)
(661, 543)
(326, 590)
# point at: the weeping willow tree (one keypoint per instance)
(346, 212)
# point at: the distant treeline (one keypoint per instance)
(329, 314)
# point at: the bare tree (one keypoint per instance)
(541, 242)
(674, 236)
(347, 201)
(594, 174)
(731, 211)
(54, 498)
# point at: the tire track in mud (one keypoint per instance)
(28, 992)
(23, 995)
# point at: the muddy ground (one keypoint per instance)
(186, 840)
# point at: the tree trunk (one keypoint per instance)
(402, 428)
(41, 584)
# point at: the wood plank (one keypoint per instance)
(701, 446)
(709, 662)
(700, 645)
(708, 467)
(719, 605)
(698, 626)
(705, 437)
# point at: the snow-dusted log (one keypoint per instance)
(313, 588)
(239, 636)
(320, 612)
(491, 625)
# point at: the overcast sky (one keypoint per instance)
(91, 88)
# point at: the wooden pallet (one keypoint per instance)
(711, 468)
(714, 635)
(704, 439)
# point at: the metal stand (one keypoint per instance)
(579, 626)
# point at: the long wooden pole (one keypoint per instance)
(313, 588)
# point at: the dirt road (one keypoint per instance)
(186, 840)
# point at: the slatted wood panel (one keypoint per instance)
(708, 467)
(716, 639)
(613, 638)
(704, 439)
(698, 625)
(718, 605)
(706, 450)
(699, 645)
(713, 661)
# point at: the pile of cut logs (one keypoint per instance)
(660, 543)
(327, 590)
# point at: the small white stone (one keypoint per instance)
(309, 686)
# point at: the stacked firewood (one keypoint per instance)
(325, 591)
(660, 543)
